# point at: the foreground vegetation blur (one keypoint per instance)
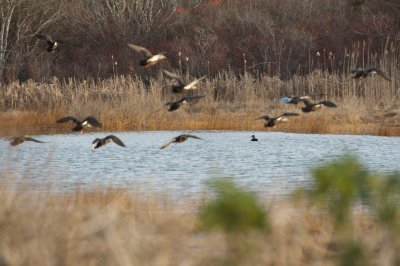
(349, 216)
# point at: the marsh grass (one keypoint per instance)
(231, 102)
(111, 226)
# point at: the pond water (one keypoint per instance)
(274, 165)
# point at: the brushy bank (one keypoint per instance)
(231, 102)
(349, 217)
(261, 36)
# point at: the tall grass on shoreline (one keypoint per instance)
(231, 102)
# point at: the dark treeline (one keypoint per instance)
(277, 37)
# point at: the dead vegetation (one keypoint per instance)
(230, 102)
(111, 226)
(278, 38)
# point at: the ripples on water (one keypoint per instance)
(274, 165)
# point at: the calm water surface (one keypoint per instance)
(274, 165)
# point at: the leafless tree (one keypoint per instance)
(19, 21)
(7, 8)
(112, 17)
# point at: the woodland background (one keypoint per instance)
(201, 37)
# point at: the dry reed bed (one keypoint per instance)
(108, 226)
(231, 102)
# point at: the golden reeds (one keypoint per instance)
(230, 102)
(110, 226)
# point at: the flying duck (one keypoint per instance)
(272, 121)
(14, 141)
(51, 45)
(310, 106)
(179, 139)
(148, 59)
(184, 100)
(253, 138)
(360, 73)
(296, 99)
(181, 85)
(97, 143)
(89, 121)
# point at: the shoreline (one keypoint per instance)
(41, 125)
(125, 103)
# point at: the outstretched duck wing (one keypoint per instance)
(305, 99)
(67, 119)
(32, 139)
(116, 140)
(286, 99)
(14, 141)
(379, 72)
(283, 117)
(193, 83)
(192, 136)
(45, 38)
(173, 76)
(95, 141)
(265, 117)
(191, 98)
(167, 143)
(328, 103)
(144, 51)
(91, 121)
(289, 114)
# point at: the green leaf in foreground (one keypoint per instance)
(233, 209)
(352, 254)
(338, 184)
(386, 200)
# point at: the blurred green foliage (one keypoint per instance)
(341, 183)
(386, 200)
(344, 183)
(352, 254)
(337, 187)
(338, 184)
(233, 209)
